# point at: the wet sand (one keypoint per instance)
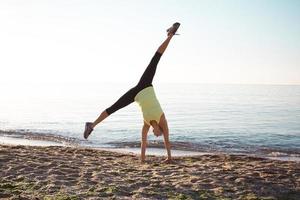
(28, 172)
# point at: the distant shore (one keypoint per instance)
(82, 173)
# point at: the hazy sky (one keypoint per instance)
(225, 41)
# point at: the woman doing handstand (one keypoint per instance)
(143, 93)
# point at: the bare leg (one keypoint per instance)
(102, 116)
(161, 49)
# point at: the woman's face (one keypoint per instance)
(157, 132)
(156, 129)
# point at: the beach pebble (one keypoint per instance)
(240, 180)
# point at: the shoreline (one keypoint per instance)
(156, 151)
(80, 173)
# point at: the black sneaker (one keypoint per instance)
(173, 29)
(88, 130)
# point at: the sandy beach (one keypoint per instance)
(28, 172)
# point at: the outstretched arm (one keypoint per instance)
(167, 145)
(165, 129)
(145, 130)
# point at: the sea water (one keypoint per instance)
(263, 120)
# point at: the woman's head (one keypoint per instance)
(157, 130)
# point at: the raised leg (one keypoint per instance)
(102, 116)
(161, 49)
(123, 101)
(148, 75)
(145, 81)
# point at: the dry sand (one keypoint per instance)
(80, 173)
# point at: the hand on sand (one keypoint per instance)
(168, 161)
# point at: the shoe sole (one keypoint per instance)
(175, 27)
(87, 131)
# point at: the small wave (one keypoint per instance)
(207, 147)
(272, 153)
(41, 136)
(277, 154)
